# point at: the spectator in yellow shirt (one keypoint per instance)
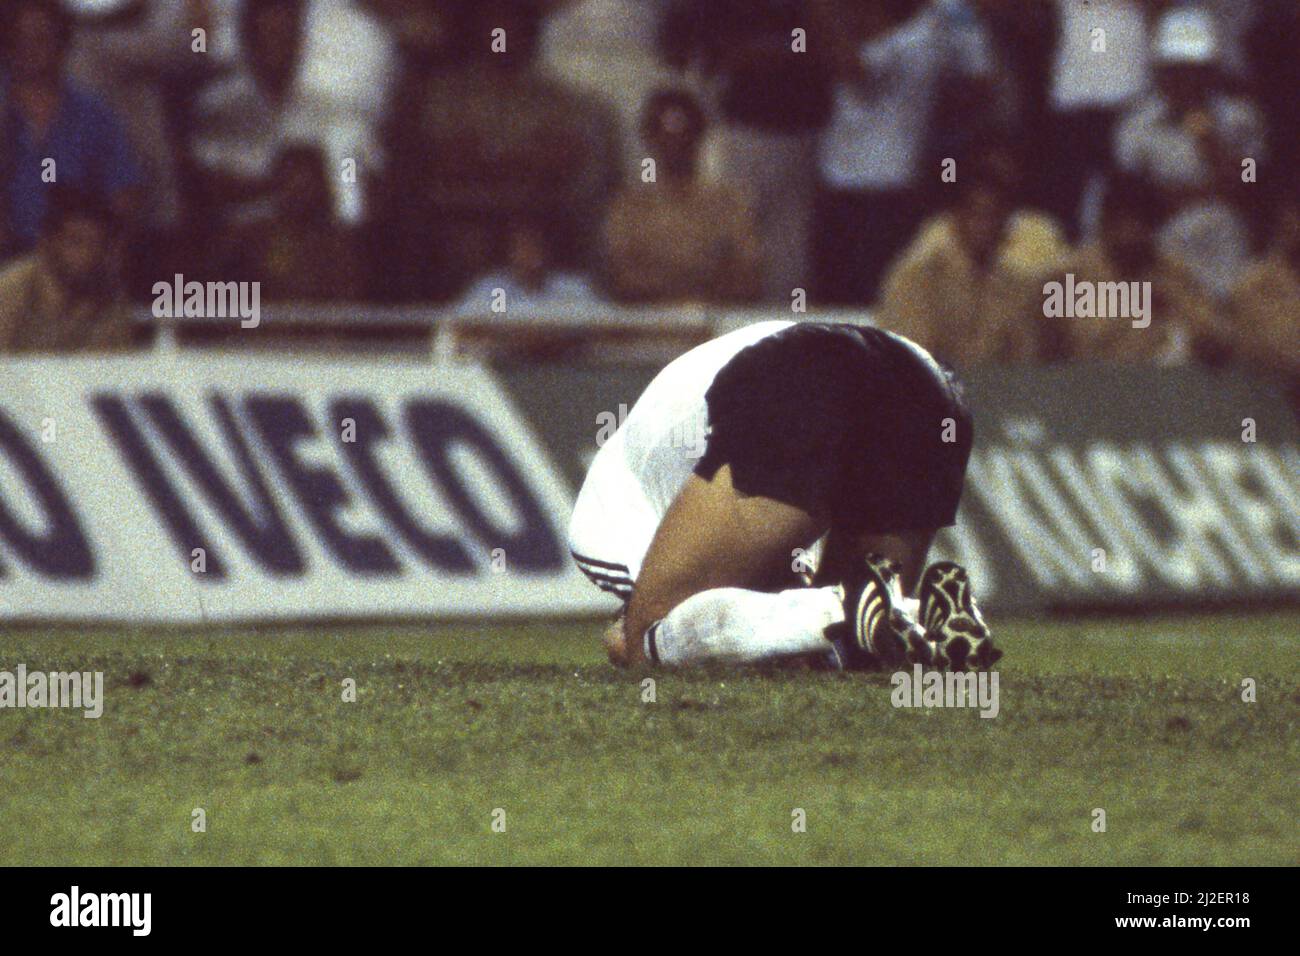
(1178, 310)
(66, 296)
(1264, 312)
(672, 237)
(966, 288)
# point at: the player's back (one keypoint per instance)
(640, 469)
(786, 403)
(665, 432)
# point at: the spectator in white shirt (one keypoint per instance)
(1103, 64)
(1187, 135)
(872, 154)
(311, 70)
(606, 48)
(1190, 139)
(528, 284)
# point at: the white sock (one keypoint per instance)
(740, 627)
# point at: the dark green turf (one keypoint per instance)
(1143, 719)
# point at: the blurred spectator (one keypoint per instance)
(425, 32)
(1235, 21)
(606, 49)
(772, 99)
(1265, 307)
(1125, 252)
(310, 70)
(967, 289)
(1215, 236)
(52, 130)
(528, 283)
(487, 139)
(1025, 37)
(65, 296)
(142, 61)
(677, 238)
(300, 252)
(977, 95)
(891, 60)
(1189, 137)
(1102, 65)
(1032, 242)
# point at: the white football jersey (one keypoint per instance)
(640, 470)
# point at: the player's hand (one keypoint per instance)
(616, 646)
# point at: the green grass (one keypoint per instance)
(1141, 718)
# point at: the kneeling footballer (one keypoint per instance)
(801, 526)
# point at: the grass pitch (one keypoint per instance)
(1143, 719)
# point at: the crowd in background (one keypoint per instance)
(937, 161)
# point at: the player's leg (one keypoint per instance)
(939, 596)
(711, 582)
(696, 613)
(611, 535)
(743, 626)
(844, 553)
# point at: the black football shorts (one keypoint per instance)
(845, 422)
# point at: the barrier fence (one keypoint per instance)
(234, 485)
